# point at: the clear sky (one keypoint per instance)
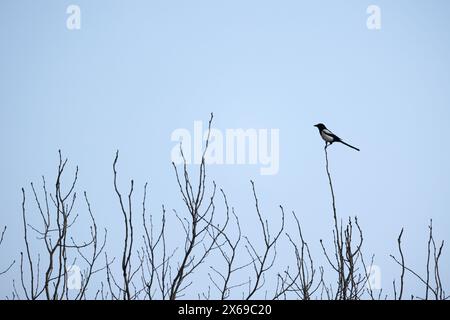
(138, 70)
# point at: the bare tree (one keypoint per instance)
(151, 269)
(348, 258)
(61, 249)
(198, 226)
(158, 273)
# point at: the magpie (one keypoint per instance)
(330, 137)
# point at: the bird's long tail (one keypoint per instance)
(348, 145)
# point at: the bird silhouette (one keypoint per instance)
(329, 137)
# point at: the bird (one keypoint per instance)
(330, 137)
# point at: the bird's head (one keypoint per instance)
(320, 126)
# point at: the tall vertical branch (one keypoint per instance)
(337, 232)
(127, 212)
(32, 293)
(402, 264)
(347, 253)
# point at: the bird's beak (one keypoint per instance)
(315, 125)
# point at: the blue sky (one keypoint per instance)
(137, 70)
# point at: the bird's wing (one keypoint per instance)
(329, 133)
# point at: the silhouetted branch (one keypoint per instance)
(347, 255)
(1, 241)
(433, 252)
(402, 265)
(302, 282)
(229, 253)
(54, 235)
(127, 291)
(262, 262)
(199, 223)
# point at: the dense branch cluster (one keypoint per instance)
(149, 268)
